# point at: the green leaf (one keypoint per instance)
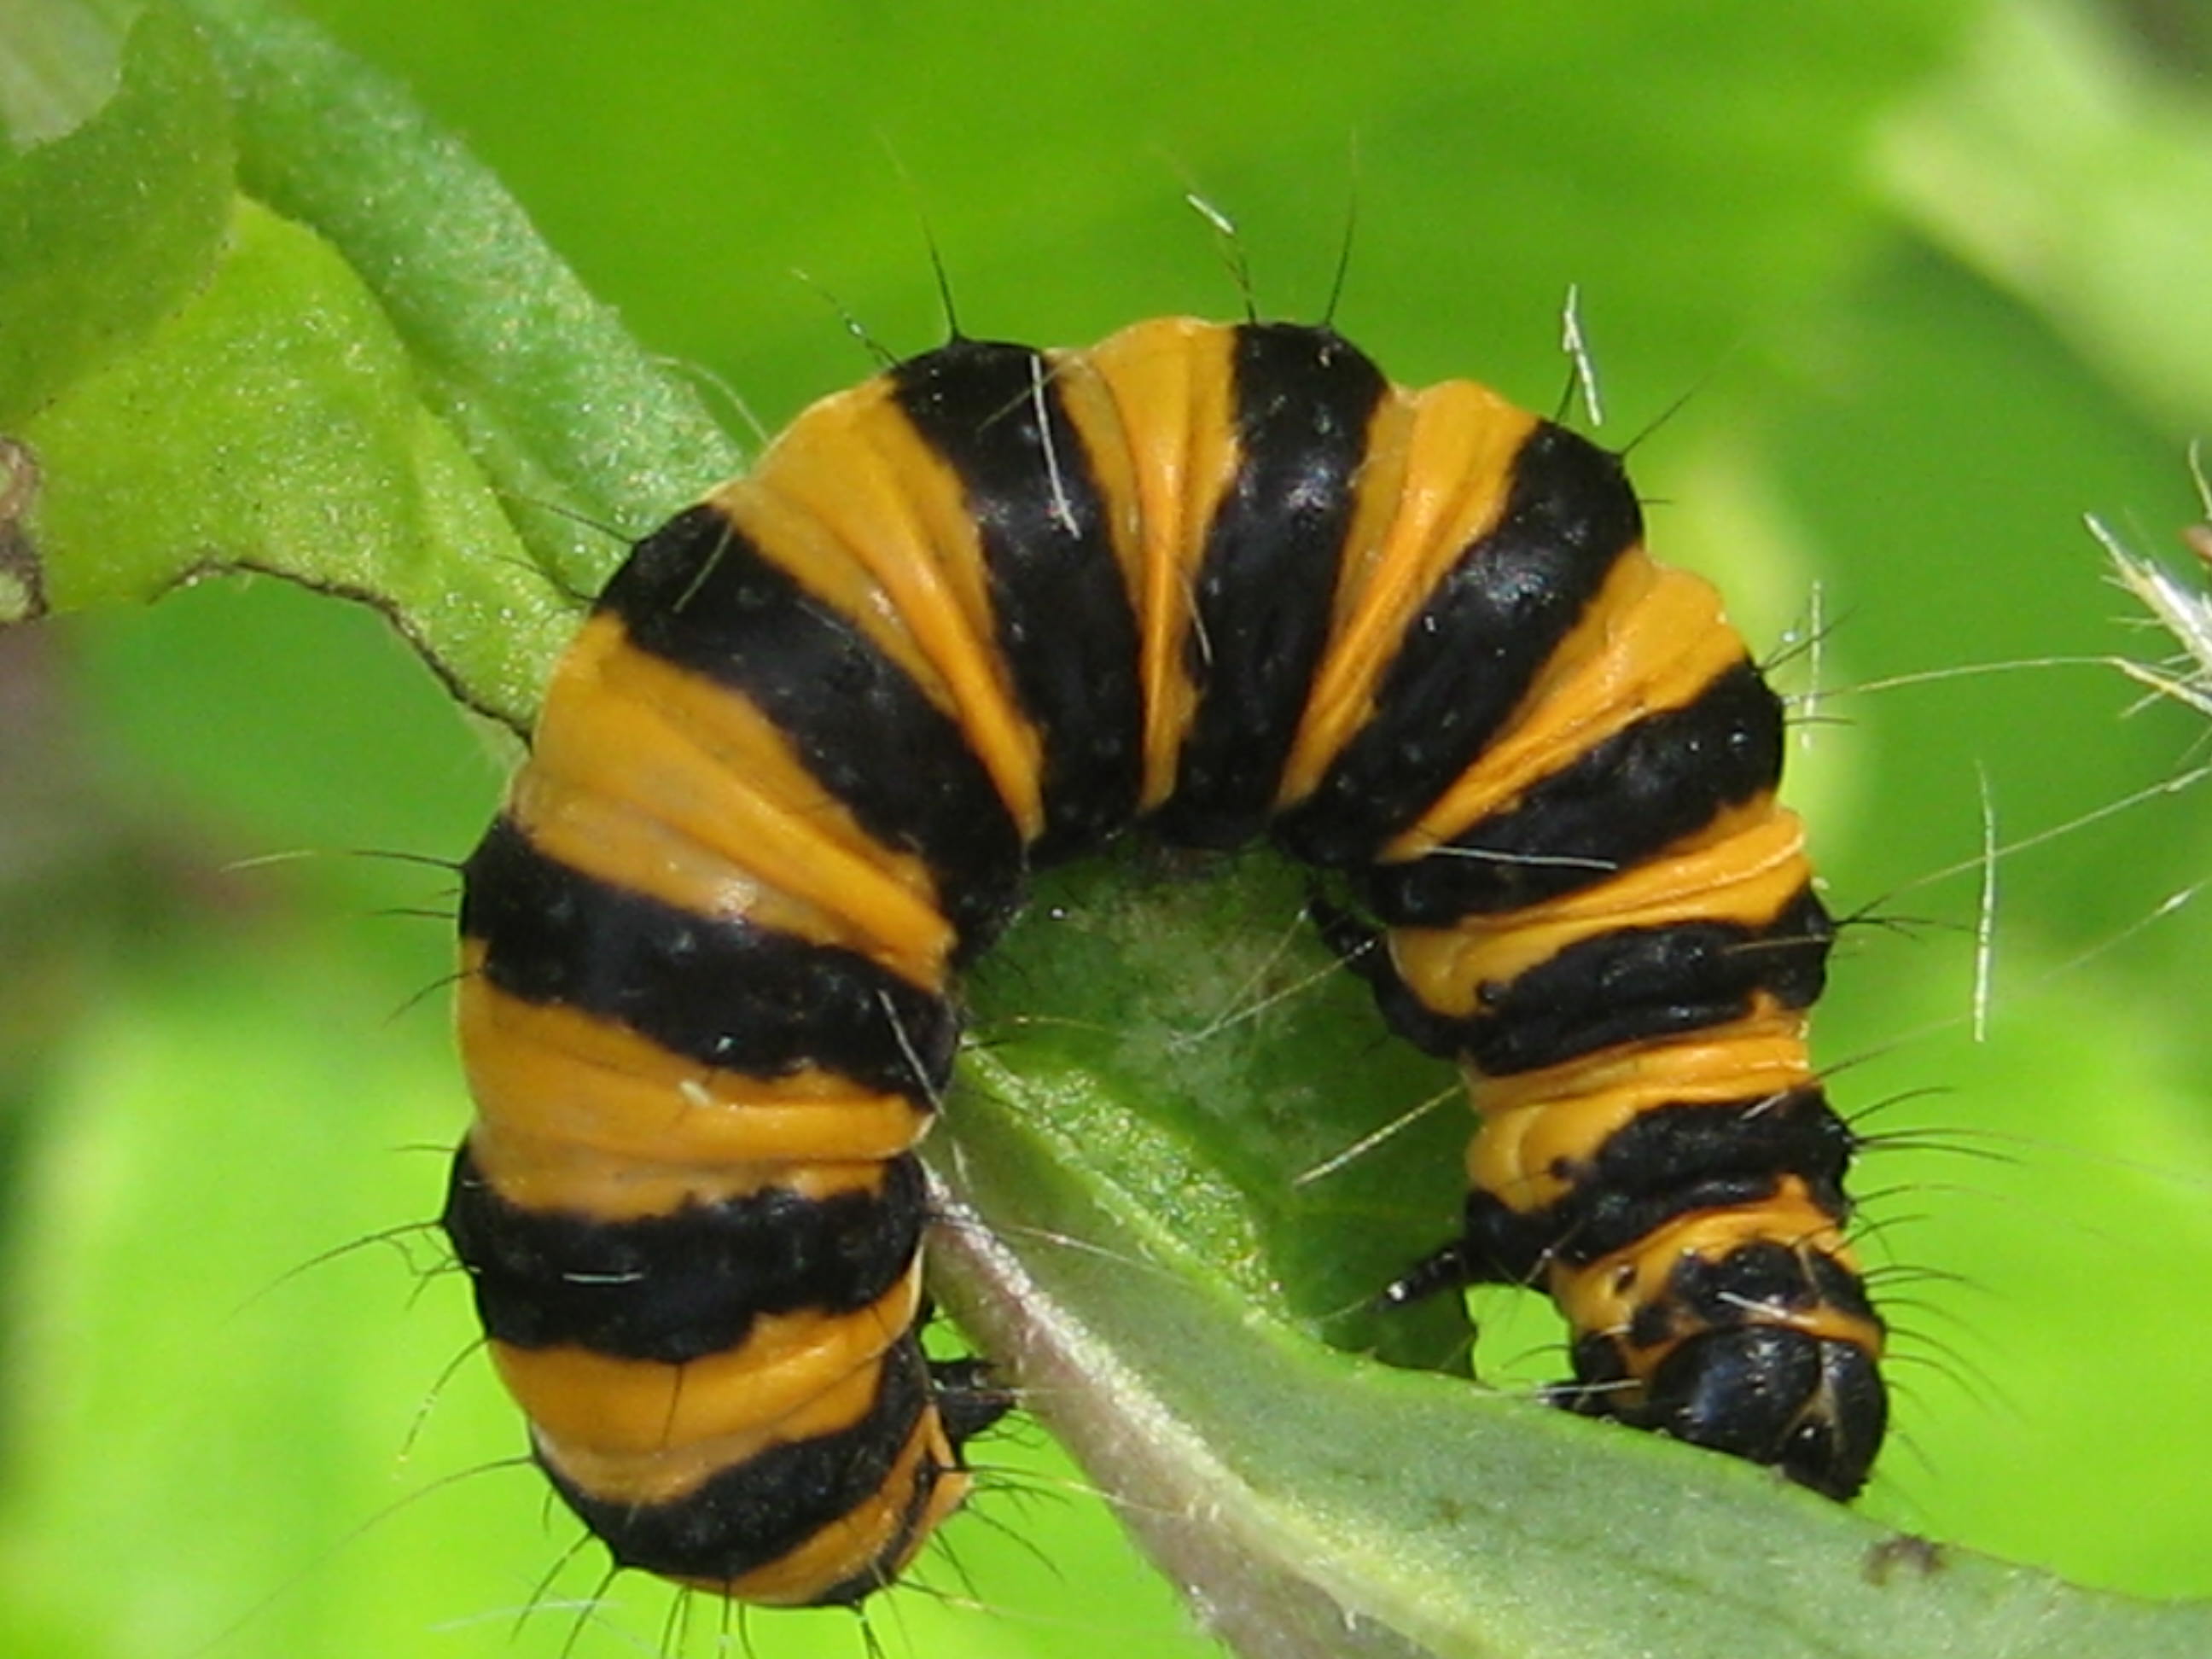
(106, 229)
(274, 424)
(557, 402)
(1315, 1503)
(366, 373)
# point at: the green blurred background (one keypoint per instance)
(1906, 287)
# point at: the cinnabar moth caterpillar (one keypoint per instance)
(989, 609)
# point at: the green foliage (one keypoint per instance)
(105, 231)
(339, 366)
(287, 326)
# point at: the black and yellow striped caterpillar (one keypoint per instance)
(989, 609)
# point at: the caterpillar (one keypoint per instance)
(986, 611)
